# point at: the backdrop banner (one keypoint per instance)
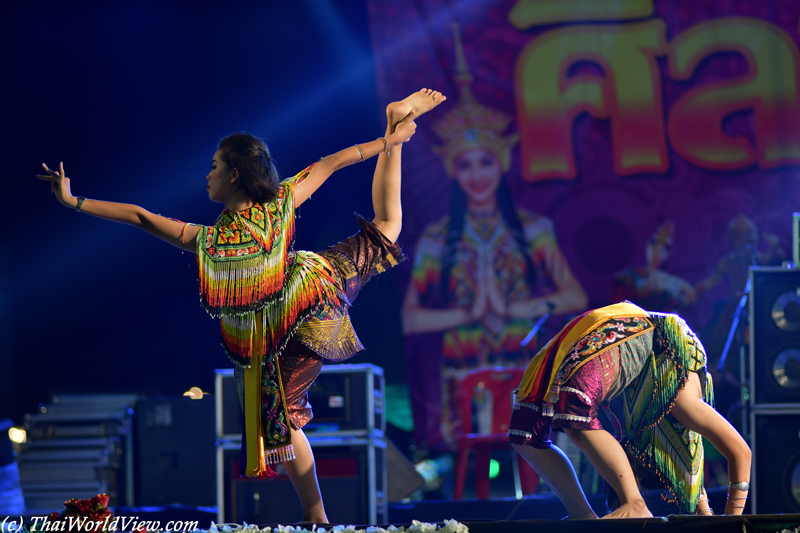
(588, 151)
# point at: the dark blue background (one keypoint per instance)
(133, 97)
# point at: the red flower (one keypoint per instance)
(101, 500)
(94, 509)
(81, 507)
(100, 515)
(54, 517)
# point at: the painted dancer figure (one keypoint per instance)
(650, 286)
(282, 311)
(658, 365)
(481, 273)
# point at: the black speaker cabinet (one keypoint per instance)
(174, 451)
(775, 335)
(776, 461)
(352, 479)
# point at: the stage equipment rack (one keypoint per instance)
(349, 418)
(78, 446)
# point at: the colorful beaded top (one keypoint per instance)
(246, 265)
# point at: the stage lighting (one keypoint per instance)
(195, 393)
(17, 435)
(494, 468)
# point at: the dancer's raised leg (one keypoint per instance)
(386, 180)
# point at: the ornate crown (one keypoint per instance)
(471, 125)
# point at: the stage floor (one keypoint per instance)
(464, 511)
(682, 523)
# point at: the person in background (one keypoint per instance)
(649, 286)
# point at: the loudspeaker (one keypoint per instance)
(776, 461)
(351, 472)
(174, 451)
(775, 335)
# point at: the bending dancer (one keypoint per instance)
(658, 365)
(282, 311)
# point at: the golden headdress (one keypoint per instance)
(471, 125)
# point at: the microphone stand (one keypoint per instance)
(737, 315)
(538, 324)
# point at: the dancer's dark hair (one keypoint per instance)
(455, 230)
(249, 154)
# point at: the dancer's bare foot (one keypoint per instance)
(421, 102)
(635, 509)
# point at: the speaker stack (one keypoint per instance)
(774, 400)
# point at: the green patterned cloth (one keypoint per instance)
(664, 454)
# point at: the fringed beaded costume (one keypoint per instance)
(621, 350)
(282, 312)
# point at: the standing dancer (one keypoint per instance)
(282, 311)
(658, 365)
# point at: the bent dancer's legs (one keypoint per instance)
(303, 474)
(556, 470)
(611, 462)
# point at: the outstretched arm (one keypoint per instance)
(176, 233)
(400, 128)
(344, 158)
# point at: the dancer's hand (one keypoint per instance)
(497, 302)
(59, 185)
(404, 131)
(480, 305)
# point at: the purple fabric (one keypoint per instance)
(577, 406)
